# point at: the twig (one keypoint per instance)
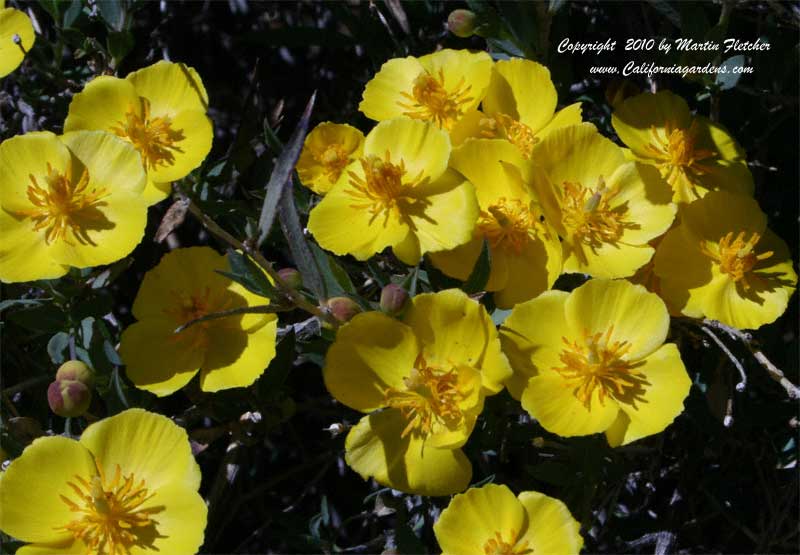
(742, 384)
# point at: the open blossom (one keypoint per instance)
(160, 110)
(525, 250)
(327, 153)
(128, 487)
(438, 88)
(605, 209)
(422, 382)
(227, 352)
(594, 360)
(400, 194)
(74, 200)
(722, 262)
(520, 106)
(694, 154)
(16, 38)
(491, 520)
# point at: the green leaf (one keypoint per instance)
(245, 272)
(729, 79)
(72, 13)
(8, 303)
(480, 272)
(407, 541)
(56, 347)
(337, 282)
(279, 183)
(47, 318)
(304, 260)
(113, 13)
(119, 45)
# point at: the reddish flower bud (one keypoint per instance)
(461, 23)
(69, 398)
(393, 299)
(292, 277)
(77, 371)
(342, 308)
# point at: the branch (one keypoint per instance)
(260, 309)
(742, 384)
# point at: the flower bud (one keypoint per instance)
(292, 277)
(461, 23)
(393, 299)
(69, 398)
(342, 308)
(77, 371)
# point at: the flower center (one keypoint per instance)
(431, 101)
(430, 399)
(496, 546)
(515, 132)
(154, 138)
(508, 224)
(597, 363)
(191, 306)
(677, 150)
(108, 514)
(62, 207)
(383, 188)
(736, 255)
(333, 159)
(589, 216)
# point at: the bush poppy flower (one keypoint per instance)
(327, 152)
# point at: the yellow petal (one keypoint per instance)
(681, 267)
(523, 337)
(371, 353)
(14, 23)
(454, 329)
(180, 524)
(327, 151)
(197, 130)
(646, 199)
(523, 90)
(460, 261)
(375, 450)
(531, 272)
(102, 105)
(481, 162)
(236, 358)
(605, 261)
(551, 527)
(383, 94)
(461, 68)
(631, 312)
(635, 117)
(723, 175)
(112, 162)
(154, 193)
(741, 213)
(24, 254)
(171, 88)
(24, 156)
(69, 547)
(156, 359)
(651, 411)
(149, 445)
(31, 486)
(423, 149)
(570, 115)
(474, 517)
(549, 399)
(468, 127)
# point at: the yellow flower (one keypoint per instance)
(520, 106)
(128, 487)
(439, 88)
(74, 200)
(160, 109)
(605, 209)
(400, 194)
(594, 360)
(525, 251)
(423, 381)
(692, 153)
(721, 262)
(327, 152)
(491, 520)
(16, 38)
(228, 352)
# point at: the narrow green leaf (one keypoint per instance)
(336, 280)
(72, 13)
(304, 259)
(480, 273)
(112, 12)
(56, 347)
(245, 272)
(729, 79)
(21, 302)
(278, 183)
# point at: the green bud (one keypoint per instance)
(75, 370)
(462, 23)
(393, 299)
(292, 277)
(69, 398)
(342, 308)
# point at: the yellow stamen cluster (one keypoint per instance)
(589, 216)
(508, 224)
(63, 206)
(429, 100)
(677, 150)
(154, 138)
(599, 364)
(383, 188)
(333, 159)
(496, 546)
(430, 400)
(109, 514)
(516, 132)
(736, 255)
